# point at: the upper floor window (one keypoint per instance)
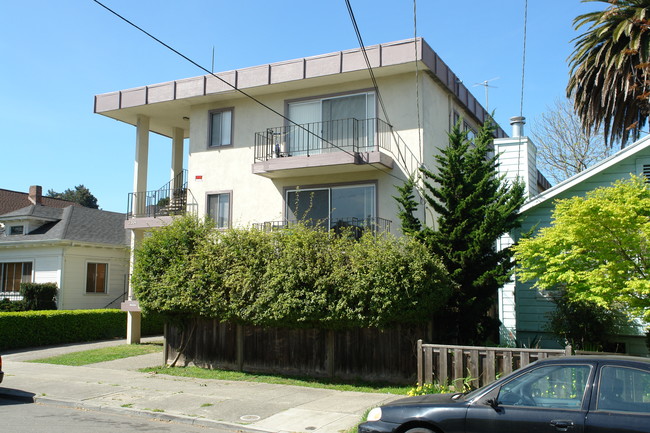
(16, 230)
(96, 277)
(219, 209)
(221, 127)
(12, 274)
(331, 123)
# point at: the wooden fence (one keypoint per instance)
(449, 364)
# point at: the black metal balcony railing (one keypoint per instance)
(174, 198)
(345, 135)
(357, 225)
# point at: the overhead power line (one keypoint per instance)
(238, 89)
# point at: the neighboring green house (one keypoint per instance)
(532, 307)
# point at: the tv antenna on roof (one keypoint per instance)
(487, 86)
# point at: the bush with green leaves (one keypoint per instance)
(8, 305)
(297, 277)
(42, 328)
(39, 296)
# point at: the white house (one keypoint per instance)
(84, 251)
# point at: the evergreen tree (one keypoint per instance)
(475, 207)
(80, 194)
(410, 224)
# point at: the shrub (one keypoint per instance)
(39, 296)
(292, 278)
(42, 328)
(8, 305)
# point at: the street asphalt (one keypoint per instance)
(118, 387)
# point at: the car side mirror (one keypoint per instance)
(493, 403)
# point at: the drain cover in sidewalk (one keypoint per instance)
(250, 418)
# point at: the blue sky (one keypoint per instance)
(55, 56)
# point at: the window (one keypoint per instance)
(552, 386)
(16, 230)
(12, 274)
(219, 209)
(332, 124)
(623, 389)
(332, 206)
(96, 277)
(221, 128)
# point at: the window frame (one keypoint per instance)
(13, 229)
(211, 114)
(3, 270)
(535, 377)
(227, 193)
(106, 278)
(329, 187)
(628, 405)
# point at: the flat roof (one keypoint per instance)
(168, 104)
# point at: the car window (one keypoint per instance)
(551, 386)
(624, 389)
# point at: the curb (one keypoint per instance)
(159, 416)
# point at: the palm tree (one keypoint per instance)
(610, 69)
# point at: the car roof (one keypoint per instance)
(596, 358)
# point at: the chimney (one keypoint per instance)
(36, 194)
(517, 126)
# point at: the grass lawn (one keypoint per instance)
(202, 373)
(100, 355)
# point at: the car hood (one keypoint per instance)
(426, 399)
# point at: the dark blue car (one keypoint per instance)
(591, 394)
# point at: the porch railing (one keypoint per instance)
(345, 135)
(480, 365)
(174, 198)
(357, 225)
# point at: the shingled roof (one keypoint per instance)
(72, 223)
(14, 200)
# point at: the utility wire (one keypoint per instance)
(239, 90)
(376, 86)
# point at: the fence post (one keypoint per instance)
(568, 351)
(240, 347)
(330, 353)
(419, 355)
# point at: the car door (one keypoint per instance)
(547, 399)
(622, 401)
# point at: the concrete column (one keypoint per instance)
(133, 318)
(141, 165)
(177, 156)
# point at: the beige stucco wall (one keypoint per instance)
(257, 199)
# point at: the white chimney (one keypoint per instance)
(517, 126)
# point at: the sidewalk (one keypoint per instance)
(241, 406)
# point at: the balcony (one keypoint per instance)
(357, 225)
(330, 147)
(157, 208)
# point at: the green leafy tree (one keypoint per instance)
(407, 207)
(610, 69)
(584, 325)
(475, 207)
(597, 249)
(80, 194)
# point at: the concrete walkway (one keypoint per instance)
(240, 406)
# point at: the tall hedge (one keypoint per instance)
(43, 328)
(299, 277)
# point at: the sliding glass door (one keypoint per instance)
(332, 124)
